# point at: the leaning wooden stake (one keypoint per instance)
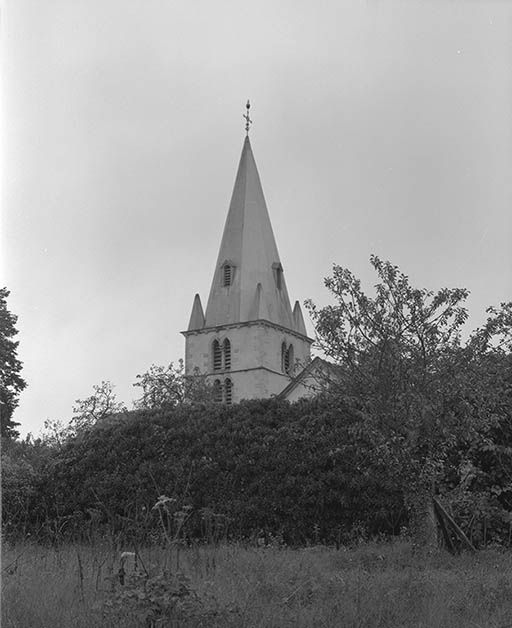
(81, 576)
(446, 535)
(454, 527)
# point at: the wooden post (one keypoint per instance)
(444, 530)
(454, 527)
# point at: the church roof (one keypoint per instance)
(318, 376)
(248, 282)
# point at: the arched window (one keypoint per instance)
(283, 357)
(217, 356)
(227, 355)
(228, 387)
(290, 360)
(217, 391)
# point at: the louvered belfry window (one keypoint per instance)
(217, 391)
(227, 275)
(227, 355)
(287, 358)
(284, 355)
(217, 356)
(228, 387)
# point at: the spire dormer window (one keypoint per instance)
(227, 274)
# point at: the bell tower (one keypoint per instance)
(249, 342)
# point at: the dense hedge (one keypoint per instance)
(297, 471)
(303, 472)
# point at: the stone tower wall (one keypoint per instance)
(256, 368)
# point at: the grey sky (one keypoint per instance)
(379, 127)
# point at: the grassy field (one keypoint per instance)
(374, 585)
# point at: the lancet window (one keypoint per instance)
(287, 358)
(217, 356)
(217, 391)
(227, 355)
(221, 355)
(228, 392)
(291, 362)
(223, 392)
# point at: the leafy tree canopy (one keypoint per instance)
(404, 367)
(168, 386)
(100, 405)
(11, 382)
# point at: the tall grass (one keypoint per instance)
(374, 585)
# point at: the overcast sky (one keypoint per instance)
(379, 127)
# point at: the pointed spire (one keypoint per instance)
(298, 319)
(249, 245)
(197, 316)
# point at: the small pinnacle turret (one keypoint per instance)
(197, 316)
(298, 319)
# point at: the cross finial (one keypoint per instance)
(248, 120)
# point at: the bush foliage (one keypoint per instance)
(267, 466)
(303, 473)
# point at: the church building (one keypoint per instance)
(249, 341)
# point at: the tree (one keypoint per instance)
(405, 370)
(168, 386)
(18, 488)
(11, 382)
(100, 405)
(54, 433)
(482, 487)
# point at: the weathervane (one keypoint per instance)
(248, 120)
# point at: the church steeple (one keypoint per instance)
(248, 256)
(248, 343)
